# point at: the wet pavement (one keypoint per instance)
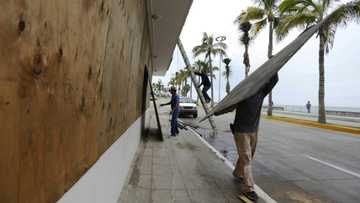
(295, 163)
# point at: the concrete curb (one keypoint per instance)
(333, 127)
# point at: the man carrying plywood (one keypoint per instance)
(245, 130)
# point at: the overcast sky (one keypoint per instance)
(299, 77)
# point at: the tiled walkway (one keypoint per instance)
(181, 169)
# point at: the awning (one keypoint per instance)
(166, 19)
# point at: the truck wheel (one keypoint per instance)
(195, 115)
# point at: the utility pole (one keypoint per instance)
(220, 39)
(193, 79)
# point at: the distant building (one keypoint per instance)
(72, 93)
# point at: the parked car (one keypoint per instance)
(188, 106)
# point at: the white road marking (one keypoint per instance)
(258, 190)
(333, 166)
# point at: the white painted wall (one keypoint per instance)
(103, 182)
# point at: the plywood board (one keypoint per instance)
(258, 78)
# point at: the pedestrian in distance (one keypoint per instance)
(308, 107)
(174, 103)
(205, 81)
(245, 130)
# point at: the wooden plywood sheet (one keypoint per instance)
(258, 78)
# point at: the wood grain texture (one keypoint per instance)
(71, 76)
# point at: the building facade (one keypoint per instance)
(73, 93)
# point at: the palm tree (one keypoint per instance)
(181, 78)
(184, 75)
(308, 12)
(201, 66)
(245, 28)
(160, 86)
(227, 74)
(172, 82)
(265, 13)
(178, 81)
(198, 65)
(210, 49)
(185, 90)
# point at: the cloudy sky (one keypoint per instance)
(298, 78)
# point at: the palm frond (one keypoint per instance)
(316, 6)
(218, 51)
(227, 61)
(205, 37)
(220, 45)
(344, 13)
(215, 68)
(296, 6)
(326, 3)
(258, 27)
(209, 47)
(250, 14)
(266, 4)
(290, 6)
(198, 50)
(329, 34)
(340, 17)
(289, 22)
(210, 40)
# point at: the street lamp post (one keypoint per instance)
(220, 39)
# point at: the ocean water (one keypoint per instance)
(298, 108)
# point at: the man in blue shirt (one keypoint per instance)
(174, 103)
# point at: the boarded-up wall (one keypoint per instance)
(71, 77)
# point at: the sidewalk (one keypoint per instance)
(180, 169)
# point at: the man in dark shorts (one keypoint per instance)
(245, 130)
(206, 83)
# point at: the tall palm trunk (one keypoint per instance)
(211, 80)
(227, 86)
(246, 60)
(322, 113)
(191, 89)
(227, 72)
(270, 49)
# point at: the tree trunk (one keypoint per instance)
(211, 80)
(227, 86)
(270, 49)
(191, 89)
(193, 79)
(246, 60)
(227, 72)
(322, 113)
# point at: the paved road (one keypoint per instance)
(298, 164)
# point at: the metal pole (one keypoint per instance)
(220, 78)
(220, 39)
(193, 79)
